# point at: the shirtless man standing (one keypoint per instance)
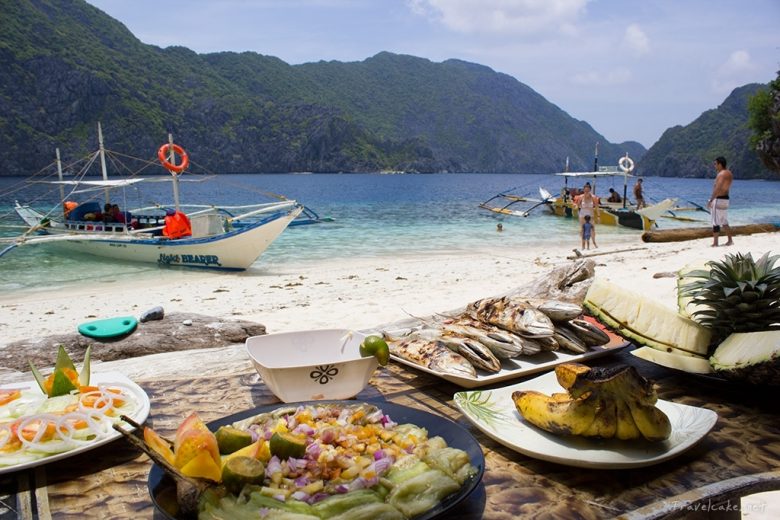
(719, 201)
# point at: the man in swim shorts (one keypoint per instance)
(719, 201)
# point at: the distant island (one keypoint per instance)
(67, 65)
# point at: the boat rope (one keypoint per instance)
(242, 186)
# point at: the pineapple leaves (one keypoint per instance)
(736, 294)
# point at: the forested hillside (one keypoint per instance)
(66, 65)
(689, 151)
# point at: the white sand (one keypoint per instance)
(357, 293)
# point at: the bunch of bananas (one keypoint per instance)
(599, 402)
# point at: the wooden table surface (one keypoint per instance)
(111, 481)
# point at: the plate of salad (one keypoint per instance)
(37, 428)
(333, 459)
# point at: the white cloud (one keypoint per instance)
(617, 76)
(737, 70)
(502, 16)
(636, 40)
(738, 63)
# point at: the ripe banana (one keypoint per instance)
(603, 403)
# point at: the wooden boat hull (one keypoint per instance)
(606, 216)
(232, 251)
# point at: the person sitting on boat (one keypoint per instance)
(116, 215)
(614, 196)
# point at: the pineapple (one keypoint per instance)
(737, 294)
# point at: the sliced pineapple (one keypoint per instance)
(645, 321)
(749, 356)
(685, 362)
(685, 305)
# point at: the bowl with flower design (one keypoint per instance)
(312, 365)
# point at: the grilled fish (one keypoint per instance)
(500, 343)
(475, 352)
(432, 354)
(559, 311)
(589, 333)
(515, 315)
(567, 339)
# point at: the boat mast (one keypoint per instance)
(625, 185)
(59, 176)
(103, 161)
(172, 159)
(595, 166)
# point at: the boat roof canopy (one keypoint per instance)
(119, 183)
(116, 183)
(605, 173)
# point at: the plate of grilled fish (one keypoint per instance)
(497, 339)
(605, 418)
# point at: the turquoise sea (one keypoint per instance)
(374, 215)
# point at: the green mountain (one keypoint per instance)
(66, 65)
(689, 151)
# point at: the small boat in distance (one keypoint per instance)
(213, 237)
(564, 205)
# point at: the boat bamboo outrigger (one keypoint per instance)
(564, 205)
(214, 237)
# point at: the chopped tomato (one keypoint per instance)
(92, 397)
(32, 428)
(6, 396)
(13, 443)
(158, 444)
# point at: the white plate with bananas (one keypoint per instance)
(494, 412)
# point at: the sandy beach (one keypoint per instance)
(357, 293)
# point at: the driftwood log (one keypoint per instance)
(152, 337)
(683, 234)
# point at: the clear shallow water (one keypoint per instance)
(375, 215)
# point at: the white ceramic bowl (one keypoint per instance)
(312, 365)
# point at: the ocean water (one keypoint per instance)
(374, 215)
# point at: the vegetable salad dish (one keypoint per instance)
(322, 461)
(34, 426)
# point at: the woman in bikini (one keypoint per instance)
(588, 204)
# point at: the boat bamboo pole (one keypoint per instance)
(171, 158)
(62, 187)
(683, 234)
(103, 161)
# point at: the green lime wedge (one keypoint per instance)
(286, 445)
(377, 347)
(63, 360)
(84, 376)
(61, 384)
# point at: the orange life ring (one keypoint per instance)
(162, 154)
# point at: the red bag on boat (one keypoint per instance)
(177, 225)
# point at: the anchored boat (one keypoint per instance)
(564, 205)
(214, 237)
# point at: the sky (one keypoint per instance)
(630, 68)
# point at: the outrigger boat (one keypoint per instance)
(214, 237)
(609, 213)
